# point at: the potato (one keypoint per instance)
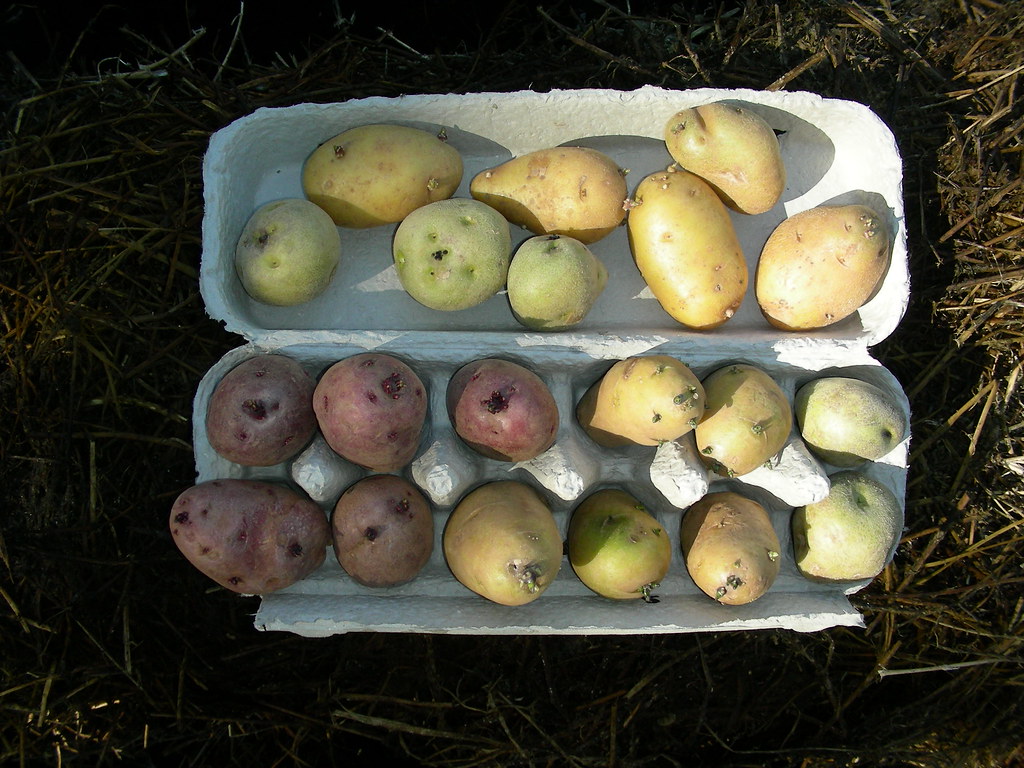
(747, 420)
(851, 533)
(733, 149)
(820, 266)
(452, 254)
(379, 174)
(383, 531)
(573, 191)
(371, 409)
(730, 547)
(686, 249)
(287, 253)
(261, 412)
(250, 536)
(645, 400)
(502, 542)
(502, 410)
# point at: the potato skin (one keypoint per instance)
(377, 174)
(732, 148)
(371, 409)
(820, 266)
(731, 550)
(574, 191)
(383, 531)
(250, 536)
(686, 249)
(261, 412)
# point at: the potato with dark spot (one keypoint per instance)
(730, 547)
(371, 409)
(250, 536)
(383, 531)
(502, 410)
(261, 412)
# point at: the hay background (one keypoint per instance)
(114, 652)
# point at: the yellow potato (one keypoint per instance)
(686, 249)
(747, 420)
(573, 191)
(731, 549)
(378, 174)
(820, 266)
(731, 148)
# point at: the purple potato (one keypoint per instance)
(250, 536)
(383, 531)
(261, 412)
(502, 410)
(371, 409)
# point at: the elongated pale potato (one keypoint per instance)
(686, 248)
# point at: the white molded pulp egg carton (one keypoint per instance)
(835, 152)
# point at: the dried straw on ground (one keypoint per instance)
(115, 653)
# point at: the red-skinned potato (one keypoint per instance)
(250, 536)
(261, 412)
(383, 531)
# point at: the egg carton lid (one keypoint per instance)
(835, 152)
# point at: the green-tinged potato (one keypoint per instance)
(850, 534)
(731, 550)
(572, 191)
(502, 410)
(553, 282)
(287, 253)
(645, 400)
(371, 409)
(383, 531)
(732, 148)
(747, 420)
(821, 265)
(616, 547)
(379, 174)
(250, 536)
(452, 254)
(502, 542)
(261, 412)
(686, 249)
(847, 421)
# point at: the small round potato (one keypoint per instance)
(383, 531)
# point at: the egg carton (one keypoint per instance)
(259, 158)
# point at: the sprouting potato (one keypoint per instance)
(686, 248)
(731, 549)
(378, 174)
(573, 191)
(732, 148)
(821, 265)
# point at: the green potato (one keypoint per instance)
(686, 248)
(847, 421)
(378, 174)
(452, 254)
(747, 421)
(553, 282)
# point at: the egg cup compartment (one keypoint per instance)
(666, 479)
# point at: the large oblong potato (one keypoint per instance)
(821, 265)
(732, 148)
(250, 536)
(731, 550)
(378, 174)
(573, 191)
(686, 248)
